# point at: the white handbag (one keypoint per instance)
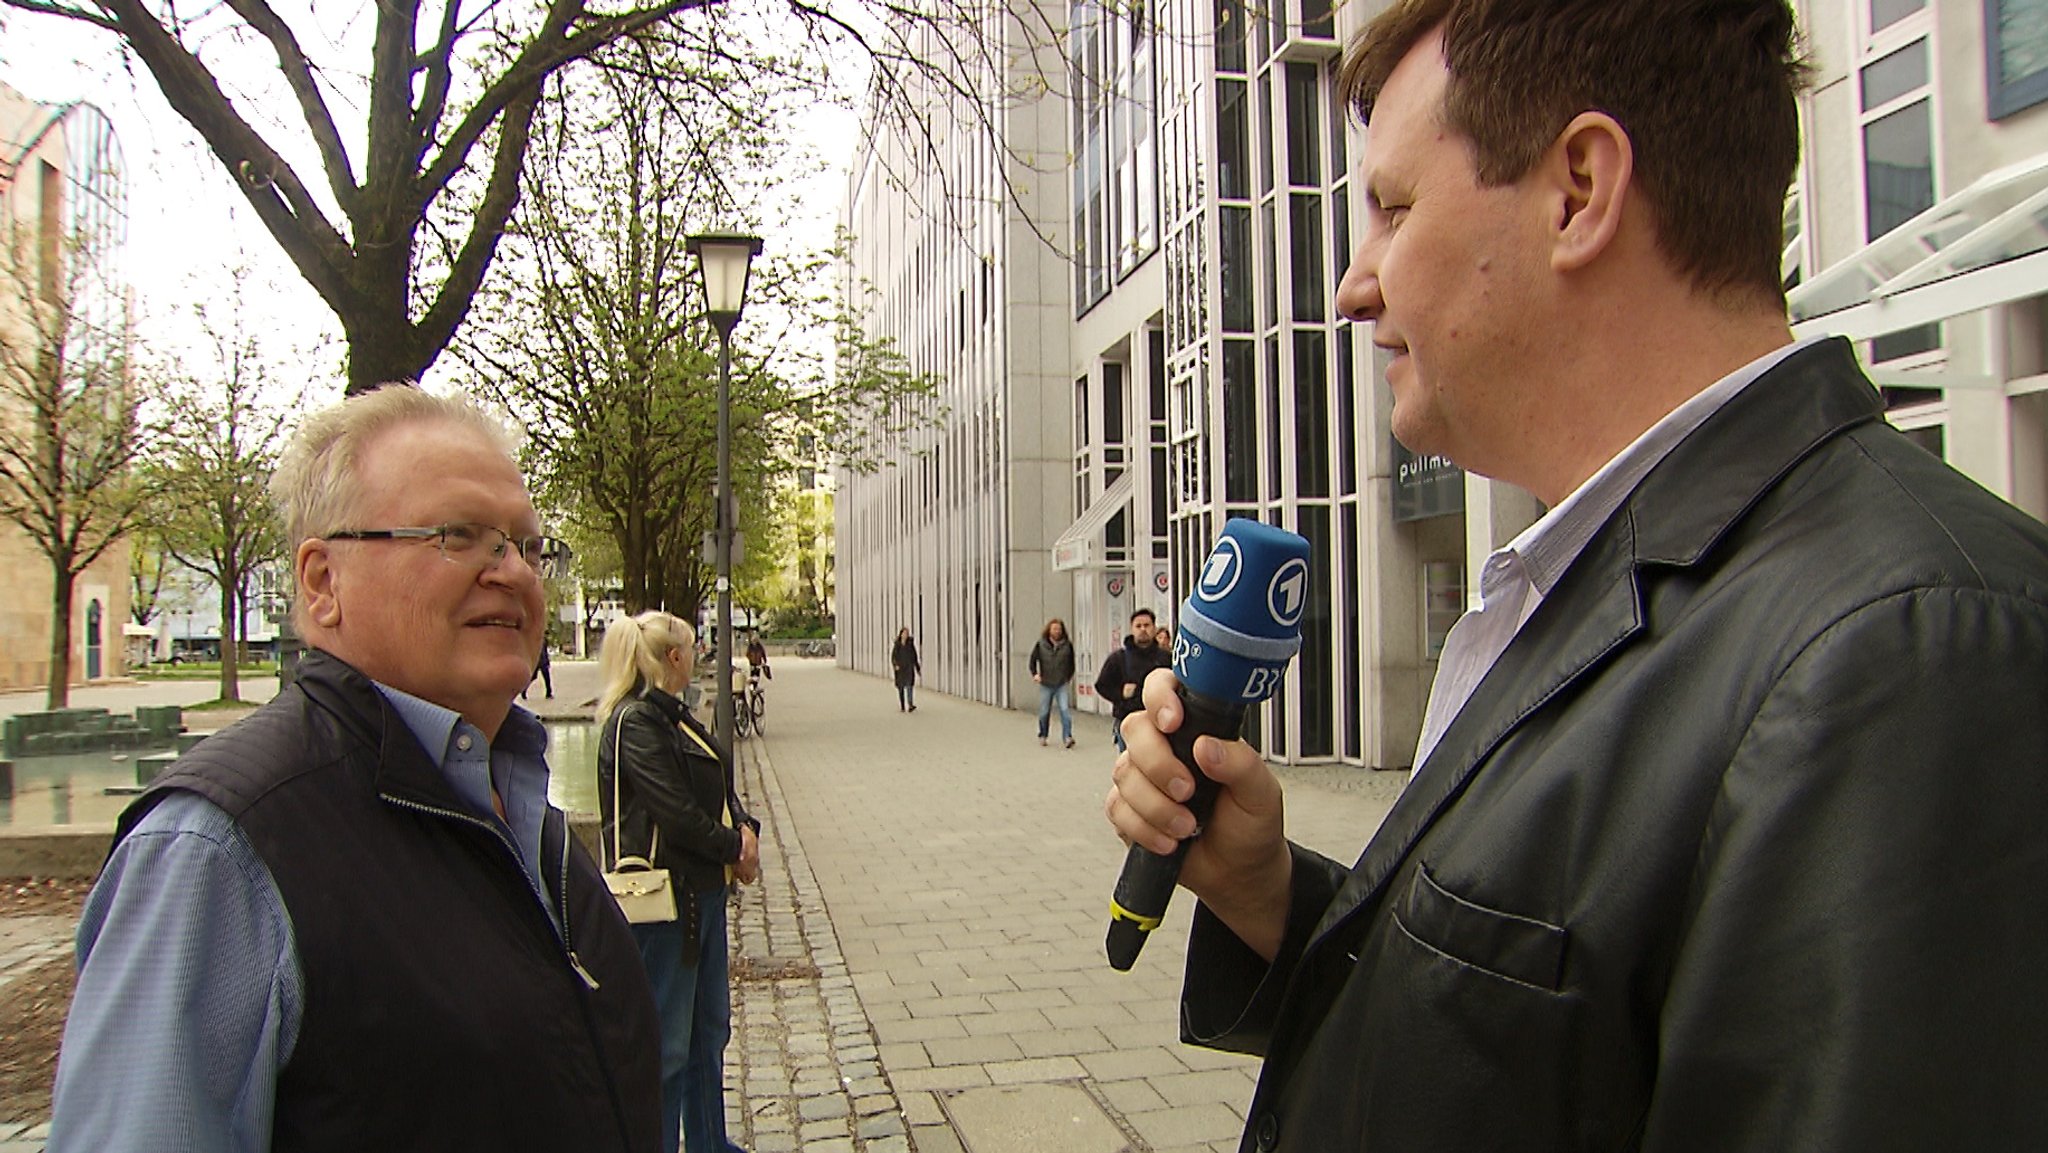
(644, 893)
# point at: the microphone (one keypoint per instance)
(1231, 645)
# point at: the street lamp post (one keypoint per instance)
(725, 259)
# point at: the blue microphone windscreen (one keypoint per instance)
(1242, 623)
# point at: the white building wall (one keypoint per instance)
(1991, 424)
(950, 536)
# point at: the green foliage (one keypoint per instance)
(595, 341)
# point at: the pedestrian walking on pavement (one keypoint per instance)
(1122, 679)
(546, 675)
(678, 810)
(903, 659)
(1052, 666)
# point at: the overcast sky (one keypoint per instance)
(187, 223)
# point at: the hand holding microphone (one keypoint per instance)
(1236, 633)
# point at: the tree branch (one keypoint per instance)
(298, 73)
(82, 15)
(269, 184)
(501, 195)
(551, 48)
(440, 70)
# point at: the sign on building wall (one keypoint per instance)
(1068, 555)
(1426, 486)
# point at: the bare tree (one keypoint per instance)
(68, 430)
(225, 427)
(401, 224)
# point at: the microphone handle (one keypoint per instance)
(1148, 878)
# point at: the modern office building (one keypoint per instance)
(1920, 225)
(61, 179)
(956, 212)
(1206, 374)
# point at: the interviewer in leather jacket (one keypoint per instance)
(677, 809)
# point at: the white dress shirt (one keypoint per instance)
(1521, 573)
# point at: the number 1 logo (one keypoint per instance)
(1287, 595)
(1220, 571)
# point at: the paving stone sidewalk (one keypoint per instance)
(949, 878)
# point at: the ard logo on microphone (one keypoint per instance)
(1287, 593)
(1220, 571)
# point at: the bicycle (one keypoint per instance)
(750, 706)
(756, 699)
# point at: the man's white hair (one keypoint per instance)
(315, 486)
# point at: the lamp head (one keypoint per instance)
(726, 259)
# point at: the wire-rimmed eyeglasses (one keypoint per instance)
(482, 546)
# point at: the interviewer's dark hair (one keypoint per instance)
(1706, 90)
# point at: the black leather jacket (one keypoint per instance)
(1737, 847)
(673, 784)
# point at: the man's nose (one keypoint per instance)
(1358, 293)
(512, 568)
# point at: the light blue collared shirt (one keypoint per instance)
(189, 990)
(1521, 573)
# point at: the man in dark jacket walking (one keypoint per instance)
(1122, 679)
(1724, 832)
(353, 921)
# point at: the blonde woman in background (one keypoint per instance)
(677, 809)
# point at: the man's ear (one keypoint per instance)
(1591, 167)
(319, 584)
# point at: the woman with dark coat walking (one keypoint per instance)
(1052, 666)
(903, 658)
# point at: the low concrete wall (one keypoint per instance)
(55, 850)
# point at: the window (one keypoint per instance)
(49, 229)
(1316, 21)
(1235, 256)
(1114, 139)
(1230, 30)
(1112, 403)
(1885, 13)
(1240, 423)
(1305, 252)
(1233, 148)
(1895, 99)
(2015, 55)
(1318, 688)
(1311, 414)
(1081, 412)
(1304, 130)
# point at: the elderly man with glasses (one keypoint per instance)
(354, 921)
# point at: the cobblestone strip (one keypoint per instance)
(803, 1072)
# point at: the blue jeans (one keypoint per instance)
(906, 696)
(693, 1002)
(1048, 696)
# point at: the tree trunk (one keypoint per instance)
(230, 640)
(384, 350)
(61, 578)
